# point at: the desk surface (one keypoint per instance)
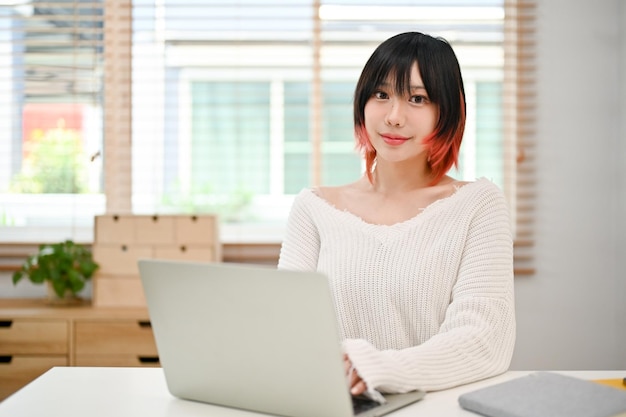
(126, 392)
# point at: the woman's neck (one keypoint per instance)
(396, 178)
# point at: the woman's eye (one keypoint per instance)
(419, 99)
(381, 95)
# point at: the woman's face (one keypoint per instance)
(397, 124)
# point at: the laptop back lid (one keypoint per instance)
(247, 337)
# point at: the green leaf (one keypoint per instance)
(59, 288)
(17, 276)
(88, 268)
(38, 276)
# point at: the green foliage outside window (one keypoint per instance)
(230, 207)
(54, 162)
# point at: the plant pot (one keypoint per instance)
(69, 299)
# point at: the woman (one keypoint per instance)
(420, 265)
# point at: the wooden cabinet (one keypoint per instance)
(121, 240)
(18, 370)
(28, 348)
(35, 337)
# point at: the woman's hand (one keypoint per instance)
(355, 383)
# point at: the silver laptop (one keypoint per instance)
(252, 337)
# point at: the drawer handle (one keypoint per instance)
(144, 323)
(6, 323)
(148, 359)
(6, 358)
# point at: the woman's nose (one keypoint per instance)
(395, 115)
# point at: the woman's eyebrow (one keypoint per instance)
(411, 88)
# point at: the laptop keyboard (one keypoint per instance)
(361, 404)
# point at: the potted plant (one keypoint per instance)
(65, 266)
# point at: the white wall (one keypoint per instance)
(621, 213)
(571, 314)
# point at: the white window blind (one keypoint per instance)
(233, 107)
(51, 67)
(238, 104)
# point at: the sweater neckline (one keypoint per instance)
(459, 190)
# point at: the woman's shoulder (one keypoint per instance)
(315, 194)
(483, 193)
(320, 202)
(481, 185)
(319, 196)
(335, 195)
(488, 187)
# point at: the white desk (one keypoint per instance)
(132, 392)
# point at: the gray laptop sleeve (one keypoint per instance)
(546, 394)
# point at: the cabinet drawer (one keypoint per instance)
(25, 336)
(120, 337)
(120, 259)
(16, 371)
(185, 253)
(118, 360)
(115, 229)
(196, 230)
(111, 291)
(154, 229)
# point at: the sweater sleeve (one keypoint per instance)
(300, 246)
(477, 336)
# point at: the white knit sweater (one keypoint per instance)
(426, 303)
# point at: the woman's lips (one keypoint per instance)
(393, 140)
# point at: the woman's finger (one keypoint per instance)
(358, 388)
(355, 383)
(346, 364)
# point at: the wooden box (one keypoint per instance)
(121, 240)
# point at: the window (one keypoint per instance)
(247, 114)
(51, 66)
(230, 107)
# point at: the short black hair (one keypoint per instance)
(440, 71)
